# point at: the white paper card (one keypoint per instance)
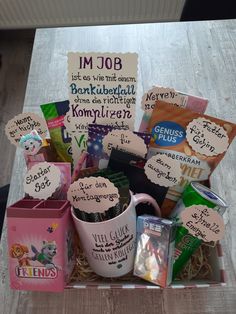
(124, 140)
(102, 90)
(161, 93)
(42, 180)
(203, 222)
(23, 124)
(163, 170)
(93, 194)
(206, 137)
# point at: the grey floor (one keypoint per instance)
(15, 55)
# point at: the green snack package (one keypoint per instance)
(185, 243)
(54, 115)
(185, 246)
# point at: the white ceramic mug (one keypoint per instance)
(110, 245)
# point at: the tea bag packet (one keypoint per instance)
(169, 95)
(198, 142)
(155, 250)
(102, 138)
(122, 183)
(133, 167)
(117, 178)
(54, 114)
(90, 217)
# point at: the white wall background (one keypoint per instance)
(49, 13)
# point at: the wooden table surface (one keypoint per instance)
(199, 58)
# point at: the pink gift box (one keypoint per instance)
(41, 244)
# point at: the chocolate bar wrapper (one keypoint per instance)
(155, 250)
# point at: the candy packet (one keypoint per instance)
(54, 115)
(176, 98)
(155, 250)
(196, 140)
